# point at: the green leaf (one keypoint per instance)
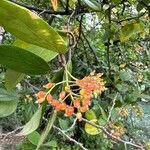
(102, 121)
(90, 115)
(129, 30)
(116, 1)
(104, 116)
(33, 124)
(34, 137)
(147, 145)
(47, 130)
(29, 27)
(93, 4)
(22, 61)
(122, 88)
(91, 129)
(8, 96)
(12, 78)
(39, 51)
(7, 107)
(63, 124)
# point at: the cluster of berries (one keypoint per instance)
(88, 87)
(116, 129)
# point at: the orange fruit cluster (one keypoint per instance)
(89, 87)
(93, 83)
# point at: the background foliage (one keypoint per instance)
(111, 37)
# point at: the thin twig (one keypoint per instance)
(110, 112)
(68, 12)
(69, 138)
(72, 126)
(141, 147)
(11, 133)
(34, 89)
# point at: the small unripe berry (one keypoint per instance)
(67, 88)
(79, 115)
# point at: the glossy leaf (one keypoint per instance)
(39, 51)
(91, 129)
(90, 115)
(7, 108)
(14, 77)
(29, 27)
(33, 124)
(22, 61)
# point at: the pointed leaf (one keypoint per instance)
(12, 78)
(47, 130)
(29, 27)
(41, 52)
(22, 61)
(33, 124)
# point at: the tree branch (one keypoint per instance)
(69, 138)
(141, 147)
(46, 11)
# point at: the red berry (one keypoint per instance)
(86, 101)
(63, 106)
(49, 98)
(40, 100)
(55, 102)
(48, 85)
(83, 109)
(69, 111)
(41, 94)
(58, 107)
(76, 103)
(62, 95)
